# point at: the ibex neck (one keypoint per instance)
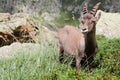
(90, 41)
(91, 36)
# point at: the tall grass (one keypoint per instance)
(29, 65)
(43, 64)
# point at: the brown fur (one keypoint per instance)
(72, 43)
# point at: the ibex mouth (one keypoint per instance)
(84, 30)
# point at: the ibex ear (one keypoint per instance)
(98, 16)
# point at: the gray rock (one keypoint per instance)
(109, 24)
(11, 50)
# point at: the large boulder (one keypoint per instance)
(16, 28)
(23, 28)
(21, 31)
(109, 24)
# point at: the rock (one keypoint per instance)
(22, 32)
(30, 6)
(47, 35)
(16, 20)
(19, 27)
(109, 24)
(11, 50)
(49, 16)
(22, 27)
(4, 17)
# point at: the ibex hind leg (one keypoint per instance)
(92, 64)
(61, 52)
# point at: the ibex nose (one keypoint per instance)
(83, 29)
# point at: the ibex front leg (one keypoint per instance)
(78, 65)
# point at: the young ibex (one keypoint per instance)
(79, 43)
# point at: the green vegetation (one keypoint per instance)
(44, 65)
(66, 18)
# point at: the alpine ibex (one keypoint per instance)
(78, 43)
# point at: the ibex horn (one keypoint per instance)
(85, 8)
(94, 10)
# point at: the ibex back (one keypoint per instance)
(79, 43)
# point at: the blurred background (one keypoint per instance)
(54, 6)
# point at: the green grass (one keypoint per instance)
(44, 65)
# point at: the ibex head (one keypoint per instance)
(88, 19)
